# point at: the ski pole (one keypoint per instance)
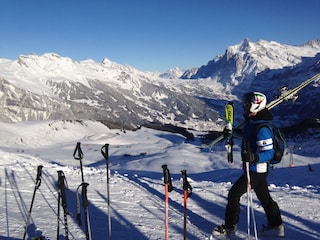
(246, 149)
(105, 154)
(58, 215)
(168, 188)
(78, 155)
(38, 183)
(63, 197)
(248, 201)
(250, 205)
(187, 191)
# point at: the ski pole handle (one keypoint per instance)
(186, 185)
(105, 151)
(78, 154)
(167, 177)
(245, 146)
(39, 175)
(165, 173)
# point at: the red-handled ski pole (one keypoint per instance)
(187, 191)
(168, 188)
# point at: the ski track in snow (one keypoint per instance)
(137, 189)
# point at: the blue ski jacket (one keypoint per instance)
(259, 141)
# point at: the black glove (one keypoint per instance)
(249, 157)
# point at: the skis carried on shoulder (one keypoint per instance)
(285, 95)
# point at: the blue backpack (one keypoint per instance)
(279, 141)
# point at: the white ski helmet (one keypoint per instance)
(257, 100)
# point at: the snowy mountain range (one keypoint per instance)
(50, 87)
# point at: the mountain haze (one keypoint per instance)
(50, 87)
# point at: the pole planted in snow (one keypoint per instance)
(168, 188)
(38, 183)
(105, 154)
(187, 191)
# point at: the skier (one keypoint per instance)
(258, 153)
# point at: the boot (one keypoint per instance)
(269, 231)
(222, 230)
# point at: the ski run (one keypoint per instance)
(137, 192)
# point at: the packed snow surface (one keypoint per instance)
(137, 196)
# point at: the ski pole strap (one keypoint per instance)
(78, 154)
(78, 206)
(105, 151)
(85, 202)
(186, 185)
(167, 177)
(39, 175)
(62, 188)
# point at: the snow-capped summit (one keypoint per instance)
(247, 59)
(172, 73)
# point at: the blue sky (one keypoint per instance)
(151, 35)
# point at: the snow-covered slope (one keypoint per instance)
(136, 183)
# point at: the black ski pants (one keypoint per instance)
(260, 185)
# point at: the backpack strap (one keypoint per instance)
(258, 126)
